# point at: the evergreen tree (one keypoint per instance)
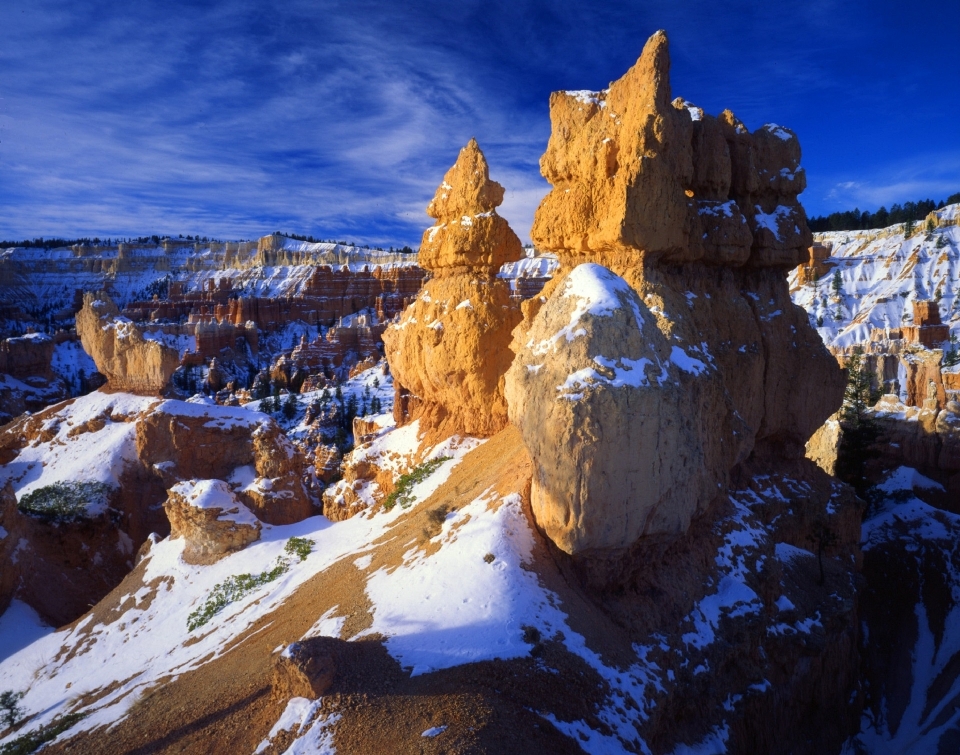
(858, 430)
(290, 407)
(837, 284)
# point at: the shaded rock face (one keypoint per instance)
(697, 219)
(31, 384)
(60, 569)
(212, 520)
(926, 439)
(130, 362)
(450, 348)
(27, 356)
(180, 442)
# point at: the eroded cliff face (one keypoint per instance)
(696, 222)
(129, 361)
(450, 349)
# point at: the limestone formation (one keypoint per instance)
(130, 362)
(182, 441)
(633, 172)
(595, 382)
(635, 435)
(468, 232)
(450, 348)
(208, 515)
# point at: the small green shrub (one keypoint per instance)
(299, 546)
(10, 710)
(63, 501)
(31, 741)
(403, 493)
(238, 586)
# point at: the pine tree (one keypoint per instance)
(290, 406)
(858, 430)
(837, 284)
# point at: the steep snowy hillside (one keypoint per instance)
(443, 614)
(882, 274)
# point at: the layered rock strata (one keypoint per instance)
(644, 377)
(129, 361)
(450, 346)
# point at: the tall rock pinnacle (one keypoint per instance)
(450, 349)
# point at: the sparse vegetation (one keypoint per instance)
(32, 741)
(403, 493)
(63, 502)
(859, 431)
(300, 547)
(238, 586)
(10, 710)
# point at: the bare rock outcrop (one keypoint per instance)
(596, 381)
(450, 348)
(129, 361)
(304, 669)
(700, 219)
(212, 520)
(183, 441)
(633, 172)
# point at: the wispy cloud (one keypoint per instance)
(238, 118)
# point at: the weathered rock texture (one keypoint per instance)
(303, 669)
(130, 362)
(212, 520)
(450, 348)
(634, 173)
(468, 232)
(182, 442)
(635, 435)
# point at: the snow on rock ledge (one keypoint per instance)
(609, 412)
(208, 515)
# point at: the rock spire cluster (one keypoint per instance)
(667, 350)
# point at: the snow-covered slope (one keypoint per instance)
(882, 274)
(911, 623)
(452, 598)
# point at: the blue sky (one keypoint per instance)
(338, 119)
